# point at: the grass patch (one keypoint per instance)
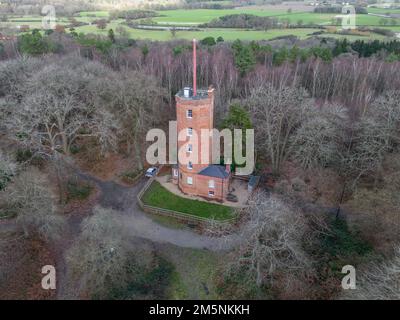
(169, 222)
(158, 196)
(343, 242)
(341, 246)
(7, 214)
(131, 175)
(194, 273)
(78, 190)
(142, 283)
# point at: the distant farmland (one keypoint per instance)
(292, 14)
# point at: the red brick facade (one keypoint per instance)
(194, 114)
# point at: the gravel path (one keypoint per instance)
(139, 224)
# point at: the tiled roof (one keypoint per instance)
(214, 170)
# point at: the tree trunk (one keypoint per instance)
(138, 155)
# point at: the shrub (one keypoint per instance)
(78, 190)
(208, 41)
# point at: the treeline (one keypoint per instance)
(133, 14)
(338, 9)
(243, 21)
(214, 5)
(367, 49)
(250, 21)
(229, 66)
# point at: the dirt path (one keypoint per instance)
(136, 223)
(139, 224)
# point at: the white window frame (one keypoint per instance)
(211, 193)
(175, 172)
(190, 165)
(189, 113)
(211, 184)
(189, 132)
(189, 181)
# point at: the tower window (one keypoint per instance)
(190, 165)
(190, 132)
(189, 114)
(189, 148)
(189, 180)
(211, 184)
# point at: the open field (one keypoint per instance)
(383, 10)
(195, 17)
(227, 34)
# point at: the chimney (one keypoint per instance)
(194, 69)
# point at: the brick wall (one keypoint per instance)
(203, 114)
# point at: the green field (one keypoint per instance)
(383, 10)
(158, 196)
(102, 14)
(199, 16)
(227, 34)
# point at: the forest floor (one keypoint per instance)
(138, 225)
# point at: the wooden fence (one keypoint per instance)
(184, 217)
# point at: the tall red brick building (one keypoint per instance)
(194, 113)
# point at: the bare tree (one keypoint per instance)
(55, 111)
(380, 280)
(8, 169)
(271, 241)
(378, 207)
(98, 255)
(100, 259)
(320, 139)
(277, 114)
(55, 107)
(29, 196)
(14, 73)
(137, 102)
(374, 135)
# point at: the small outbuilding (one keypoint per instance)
(253, 183)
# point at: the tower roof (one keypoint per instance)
(201, 94)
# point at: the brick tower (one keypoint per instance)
(194, 112)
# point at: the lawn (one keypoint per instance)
(158, 196)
